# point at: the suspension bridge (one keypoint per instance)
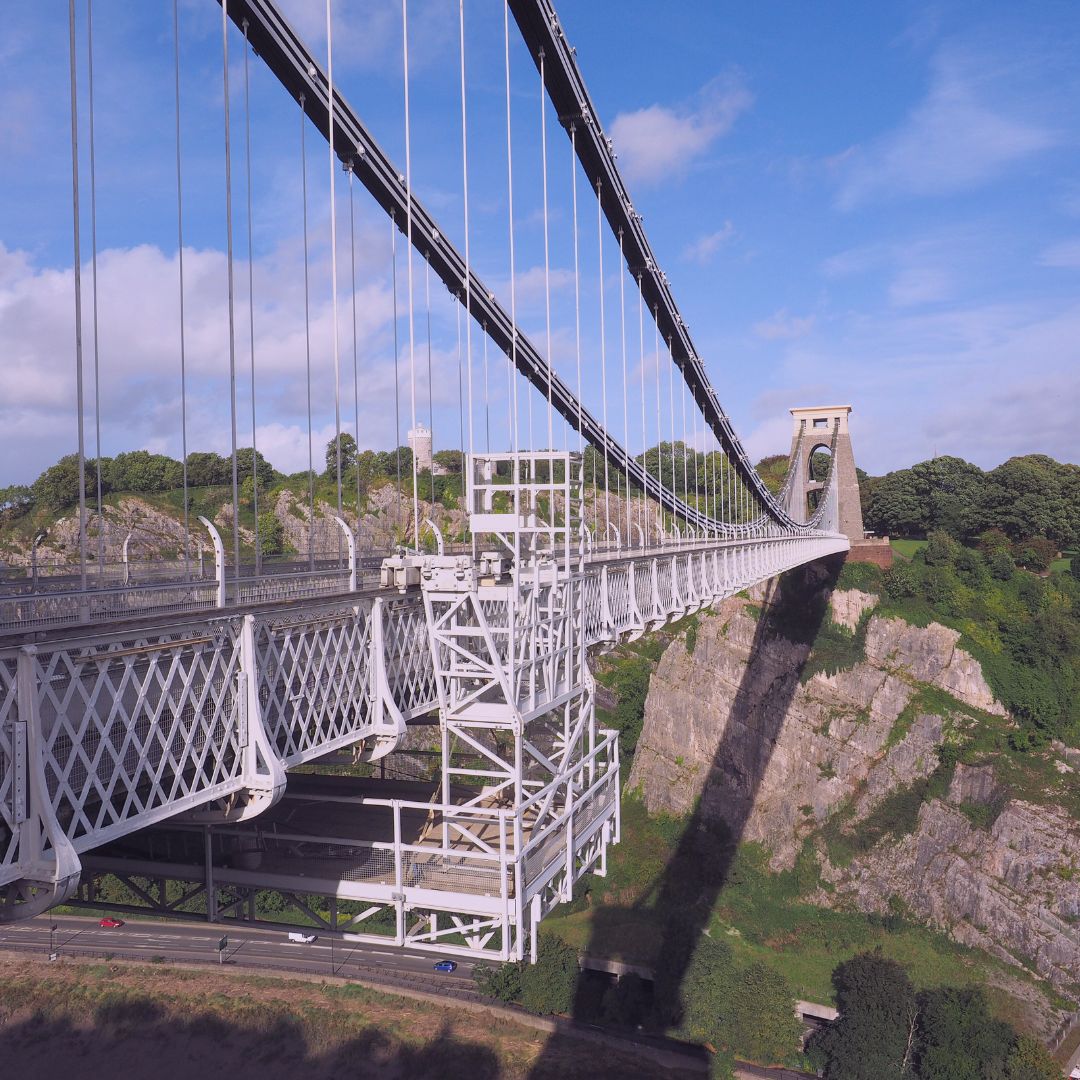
(157, 729)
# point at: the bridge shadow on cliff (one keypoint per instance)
(683, 898)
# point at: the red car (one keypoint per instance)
(110, 923)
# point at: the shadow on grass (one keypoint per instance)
(123, 1035)
(682, 900)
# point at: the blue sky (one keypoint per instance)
(877, 203)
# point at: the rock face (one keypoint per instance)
(1008, 889)
(732, 725)
(847, 606)
(930, 655)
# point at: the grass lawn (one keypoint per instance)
(906, 548)
(1062, 564)
(115, 1019)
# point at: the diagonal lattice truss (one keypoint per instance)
(103, 736)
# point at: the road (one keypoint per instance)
(257, 948)
(247, 947)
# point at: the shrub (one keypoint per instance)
(747, 1010)
(1036, 553)
(901, 580)
(548, 985)
(941, 549)
(878, 1010)
(502, 982)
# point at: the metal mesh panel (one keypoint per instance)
(643, 589)
(9, 834)
(619, 607)
(315, 679)
(595, 626)
(451, 873)
(277, 587)
(44, 610)
(409, 670)
(682, 576)
(131, 730)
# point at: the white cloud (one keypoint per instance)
(367, 33)
(915, 285)
(140, 357)
(782, 325)
(953, 141)
(772, 436)
(705, 247)
(854, 261)
(984, 382)
(1065, 254)
(657, 142)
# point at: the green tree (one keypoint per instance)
(875, 1035)
(941, 549)
(1030, 1060)
(1035, 495)
(248, 490)
(244, 467)
(773, 470)
(1036, 553)
(348, 454)
(57, 487)
(368, 469)
(895, 507)
(548, 985)
(502, 982)
(207, 469)
(748, 1010)
(953, 491)
(1002, 566)
(271, 534)
(901, 580)
(142, 471)
(449, 460)
(958, 1039)
(16, 500)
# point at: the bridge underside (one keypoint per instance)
(328, 849)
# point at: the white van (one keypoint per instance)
(301, 938)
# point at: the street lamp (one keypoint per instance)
(52, 935)
(33, 556)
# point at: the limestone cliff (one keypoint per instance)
(785, 762)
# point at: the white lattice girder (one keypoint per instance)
(127, 730)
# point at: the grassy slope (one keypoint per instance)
(109, 1019)
(907, 548)
(764, 916)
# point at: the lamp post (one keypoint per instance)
(52, 936)
(33, 558)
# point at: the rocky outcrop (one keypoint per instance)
(929, 654)
(731, 725)
(1009, 888)
(847, 606)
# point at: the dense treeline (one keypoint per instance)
(1031, 496)
(1023, 629)
(887, 1029)
(143, 472)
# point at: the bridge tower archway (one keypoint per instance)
(812, 436)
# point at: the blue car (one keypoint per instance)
(445, 965)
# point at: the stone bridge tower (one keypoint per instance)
(816, 425)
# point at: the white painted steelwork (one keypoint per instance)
(105, 734)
